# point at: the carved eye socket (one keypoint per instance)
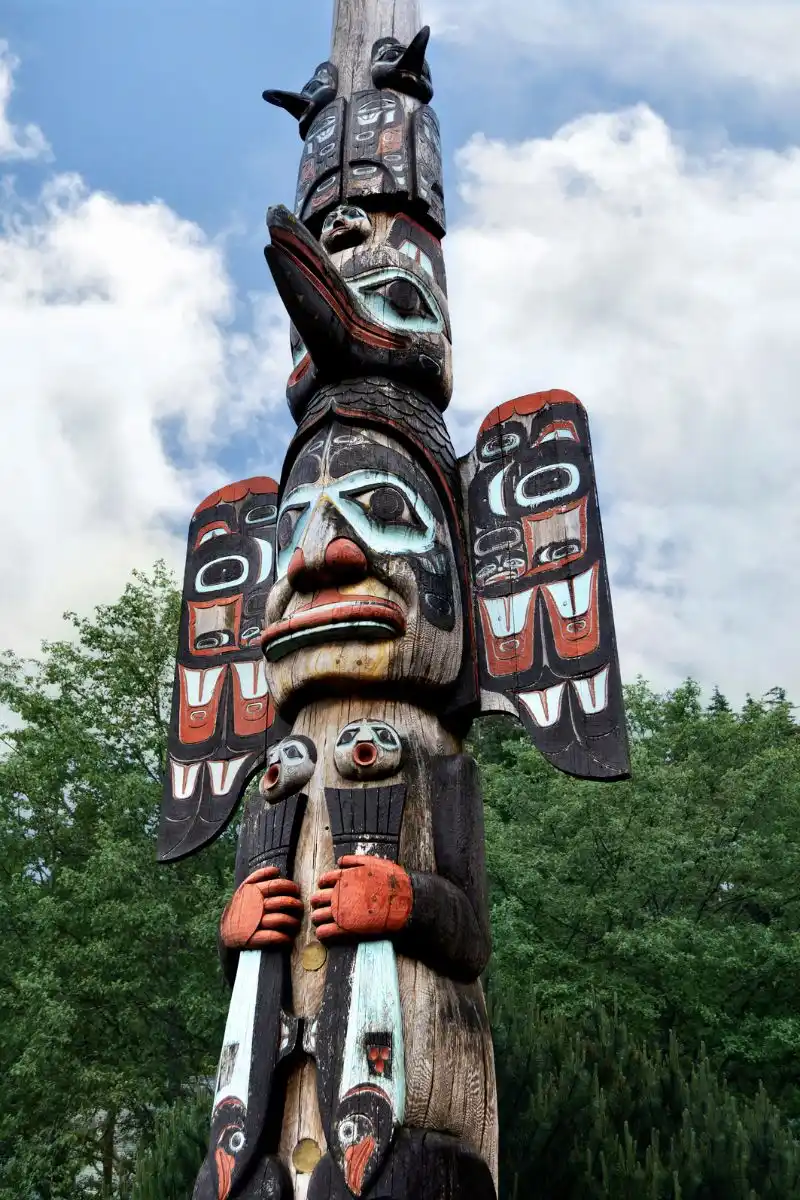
(403, 298)
(386, 505)
(231, 1139)
(286, 525)
(264, 514)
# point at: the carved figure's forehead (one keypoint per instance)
(342, 450)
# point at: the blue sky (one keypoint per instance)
(623, 183)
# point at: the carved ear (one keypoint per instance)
(413, 58)
(293, 102)
(546, 646)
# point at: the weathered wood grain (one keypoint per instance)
(357, 25)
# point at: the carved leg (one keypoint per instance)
(420, 1166)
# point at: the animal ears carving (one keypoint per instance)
(320, 90)
(403, 68)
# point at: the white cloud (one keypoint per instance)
(663, 290)
(120, 378)
(633, 41)
(16, 141)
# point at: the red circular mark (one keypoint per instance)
(344, 556)
(272, 776)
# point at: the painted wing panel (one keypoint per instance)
(222, 713)
(545, 629)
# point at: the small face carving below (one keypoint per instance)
(368, 750)
(346, 226)
(290, 765)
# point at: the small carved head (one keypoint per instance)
(368, 750)
(290, 765)
(346, 226)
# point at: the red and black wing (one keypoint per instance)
(222, 713)
(545, 629)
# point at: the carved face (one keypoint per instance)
(366, 585)
(346, 226)
(368, 750)
(290, 765)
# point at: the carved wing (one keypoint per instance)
(221, 709)
(545, 630)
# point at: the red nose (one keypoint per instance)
(344, 562)
(365, 754)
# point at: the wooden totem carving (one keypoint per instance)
(340, 631)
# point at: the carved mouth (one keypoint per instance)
(334, 617)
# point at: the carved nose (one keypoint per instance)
(343, 562)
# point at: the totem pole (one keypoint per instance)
(340, 631)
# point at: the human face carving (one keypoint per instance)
(366, 588)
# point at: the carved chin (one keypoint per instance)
(423, 655)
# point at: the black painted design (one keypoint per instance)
(428, 179)
(543, 607)
(221, 709)
(319, 181)
(403, 68)
(369, 818)
(378, 148)
(311, 100)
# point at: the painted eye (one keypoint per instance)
(230, 571)
(262, 515)
(387, 505)
(286, 525)
(556, 551)
(403, 298)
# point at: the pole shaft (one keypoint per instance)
(357, 24)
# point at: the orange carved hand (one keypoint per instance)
(265, 910)
(369, 896)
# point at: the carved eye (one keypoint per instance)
(404, 298)
(262, 515)
(286, 525)
(386, 505)
(231, 1139)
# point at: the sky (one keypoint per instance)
(623, 186)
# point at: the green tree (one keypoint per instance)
(587, 1113)
(111, 1000)
(166, 1168)
(675, 896)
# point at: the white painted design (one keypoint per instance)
(266, 559)
(508, 615)
(212, 533)
(375, 1008)
(200, 686)
(534, 501)
(233, 1077)
(184, 778)
(252, 679)
(244, 568)
(495, 493)
(593, 692)
(574, 596)
(224, 774)
(544, 706)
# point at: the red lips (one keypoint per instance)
(331, 607)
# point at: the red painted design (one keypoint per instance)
(346, 558)
(531, 527)
(256, 486)
(365, 896)
(253, 710)
(201, 533)
(197, 722)
(511, 653)
(526, 406)
(578, 635)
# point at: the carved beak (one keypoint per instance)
(336, 328)
(295, 104)
(413, 59)
(356, 1160)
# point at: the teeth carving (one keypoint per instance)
(544, 706)
(184, 778)
(200, 685)
(508, 615)
(592, 693)
(224, 774)
(252, 678)
(574, 596)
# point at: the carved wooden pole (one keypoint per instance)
(343, 628)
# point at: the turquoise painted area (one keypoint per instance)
(343, 495)
(380, 308)
(375, 1009)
